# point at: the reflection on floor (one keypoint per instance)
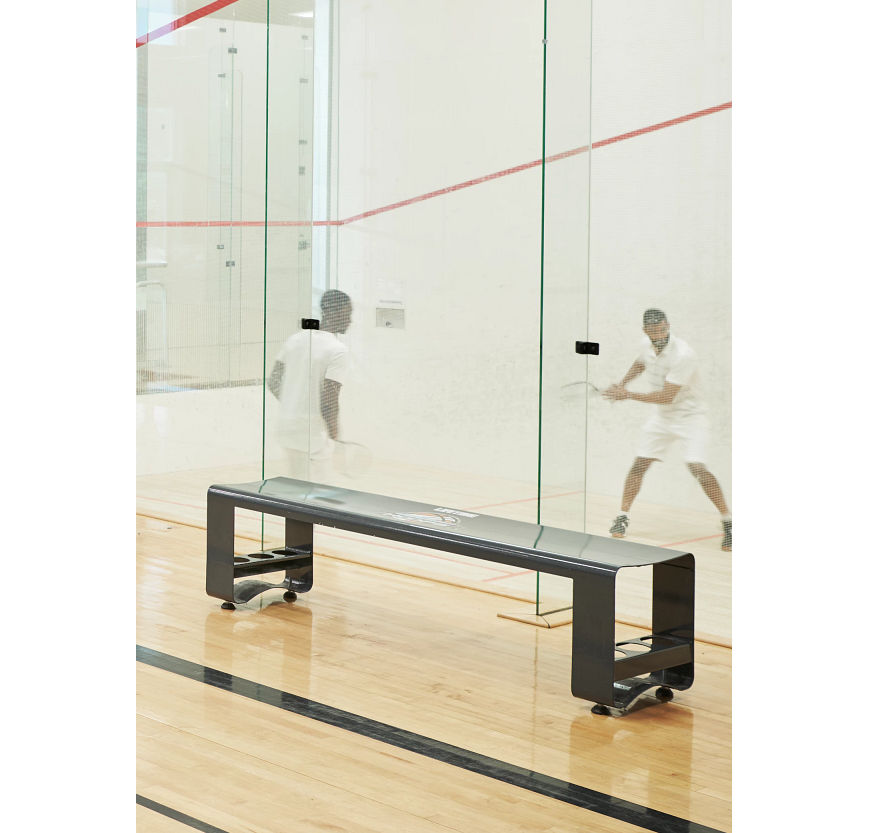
(425, 658)
(181, 497)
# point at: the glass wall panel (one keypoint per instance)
(435, 239)
(459, 193)
(566, 406)
(291, 150)
(660, 240)
(223, 138)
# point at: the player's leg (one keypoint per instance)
(710, 486)
(712, 489)
(633, 481)
(694, 434)
(654, 441)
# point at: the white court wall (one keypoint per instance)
(198, 429)
(660, 221)
(433, 95)
(427, 103)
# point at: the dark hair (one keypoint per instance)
(334, 301)
(653, 316)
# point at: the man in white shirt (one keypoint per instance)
(680, 417)
(309, 371)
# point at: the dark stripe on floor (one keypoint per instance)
(174, 814)
(597, 802)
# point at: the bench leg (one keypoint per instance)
(299, 536)
(219, 573)
(594, 672)
(673, 615)
(593, 639)
(295, 558)
(220, 558)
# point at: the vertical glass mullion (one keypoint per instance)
(265, 371)
(563, 403)
(590, 146)
(542, 297)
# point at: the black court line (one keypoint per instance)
(204, 826)
(597, 802)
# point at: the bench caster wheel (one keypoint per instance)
(664, 694)
(227, 606)
(599, 709)
(290, 596)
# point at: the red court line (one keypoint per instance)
(527, 165)
(509, 575)
(452, 188)
(225, 223)
(524, 500)
(183, 21)
(440, 192)
(661, 125)
(691, 541)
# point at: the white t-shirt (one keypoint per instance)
(309, 357)
(677, 364)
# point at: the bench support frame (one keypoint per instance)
(603, 671)
(295, 558)
(608, 673)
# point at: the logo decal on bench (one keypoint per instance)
(455, 512)
(433, 518)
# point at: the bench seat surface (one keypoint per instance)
(545, 548)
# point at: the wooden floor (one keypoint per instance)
(424, 656)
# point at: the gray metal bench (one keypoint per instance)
(610, 674)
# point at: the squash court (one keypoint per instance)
(407, 230)
(480, 239)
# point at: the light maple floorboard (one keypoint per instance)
(245, 766)
(152, 821)
(181, 497)
(426, 657)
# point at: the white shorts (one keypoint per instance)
(690, 433)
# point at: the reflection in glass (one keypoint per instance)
(223, 236)
(679, 418)
(487, 197)
(310, 369)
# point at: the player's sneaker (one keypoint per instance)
(620, 526)
(727, 540)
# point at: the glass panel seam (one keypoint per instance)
(542, 258)
(265, 265)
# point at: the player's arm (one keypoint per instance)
(276, 379)
(678, 375)
(330, 390)
(618, 391)
(658, 397)
(635, 370)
